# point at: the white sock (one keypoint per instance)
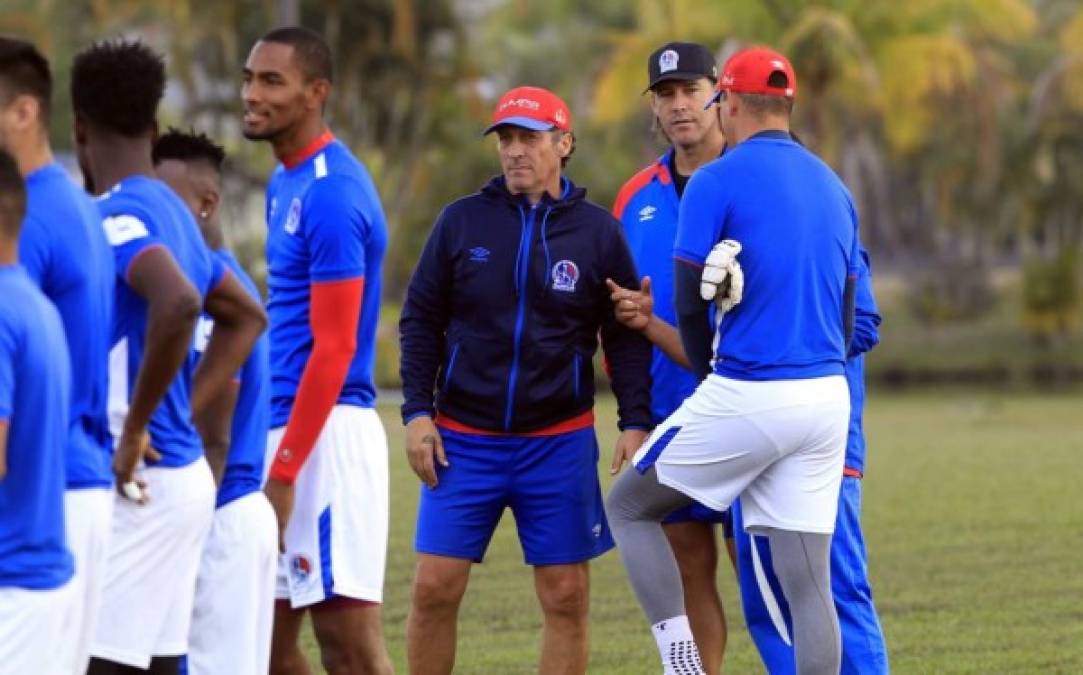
(677, 647)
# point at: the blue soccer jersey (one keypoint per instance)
(64, 250)
(140, 213)
(325, 224)
(647, 206)
(798, 228)
(35, 396)
(252, 414)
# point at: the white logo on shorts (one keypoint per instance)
(668, 61)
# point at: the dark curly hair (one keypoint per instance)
(188, 146)
(23, 70)
(117, 84)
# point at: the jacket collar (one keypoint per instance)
(570, 194)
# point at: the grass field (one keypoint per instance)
(974, 520)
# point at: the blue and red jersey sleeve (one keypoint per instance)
(129, 237)
(335, 230)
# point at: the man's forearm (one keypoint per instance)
(422, 347)
(667, 338)
(168, 340)
(335, 309)
(692, 317)
(215, 426)
(321, 382)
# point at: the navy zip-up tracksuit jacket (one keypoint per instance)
(504, 309)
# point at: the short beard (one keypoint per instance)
(268, 135)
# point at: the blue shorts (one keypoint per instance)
(767, 613)
(699, 513)
(550, 483)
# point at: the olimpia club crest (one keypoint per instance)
(667, 61)
(293, 217)
(565, 276)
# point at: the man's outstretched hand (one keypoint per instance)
(631, 307)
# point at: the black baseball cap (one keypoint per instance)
(680, 61)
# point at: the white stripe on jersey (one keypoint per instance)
(320, 165)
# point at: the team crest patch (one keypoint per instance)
(293, 217)
(565, 276)
(667, 61)
(300, 568)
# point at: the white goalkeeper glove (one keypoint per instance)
(723, 281)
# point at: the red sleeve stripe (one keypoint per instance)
(637, 183)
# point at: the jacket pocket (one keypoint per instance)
(553, 387)
(474, 381)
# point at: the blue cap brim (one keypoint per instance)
(714, 99)
(525, 122)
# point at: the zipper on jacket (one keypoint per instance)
(575, 374)
(450, 366)
(522, 269)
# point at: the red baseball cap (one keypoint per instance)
(532, 108)
(749, 71)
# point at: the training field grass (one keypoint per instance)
(974, 521)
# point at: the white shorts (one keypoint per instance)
(234, 603)
(150, 576)
(336, 540)
(779, 445)
(88, 514)
(30, 625)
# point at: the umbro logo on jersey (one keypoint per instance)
(293, 218)
(647, 213)
(479, 254)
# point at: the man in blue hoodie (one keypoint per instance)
(501, 320)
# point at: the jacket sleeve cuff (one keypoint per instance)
(413, 413)
(635, 423)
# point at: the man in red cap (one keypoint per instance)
(501, 323)
(769, 422)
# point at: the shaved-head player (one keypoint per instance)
(328, 478)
